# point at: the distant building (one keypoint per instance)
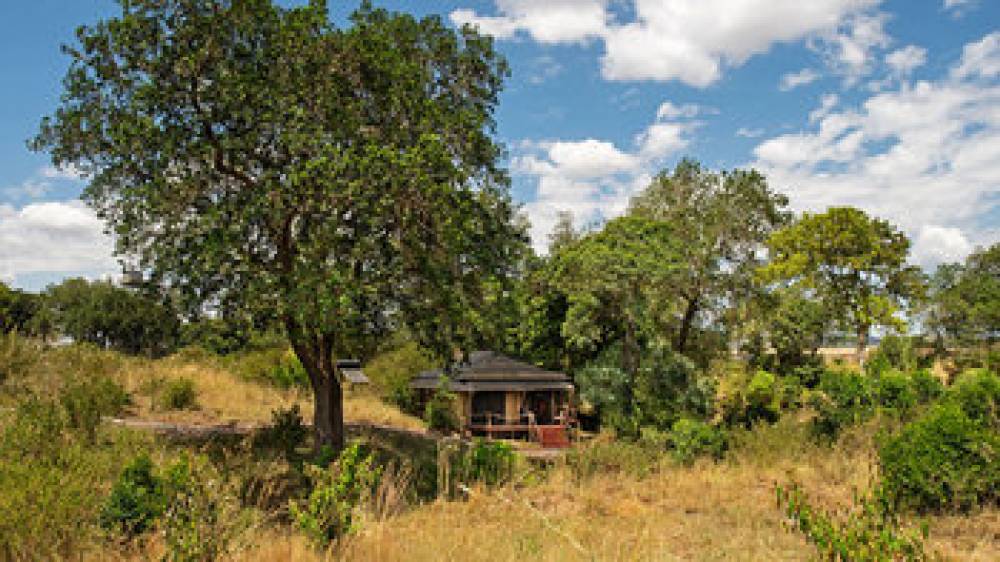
(351, 369)
(500, 396)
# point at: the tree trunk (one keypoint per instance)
(328, 400)
(686, 321)
(862, 344)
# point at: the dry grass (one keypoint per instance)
(224, 397)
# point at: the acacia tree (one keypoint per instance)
(245, 155)
(854, 263)
(722, 220)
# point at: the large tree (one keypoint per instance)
(854, 263)
(964, 301)
(721, 220)
(344, 180)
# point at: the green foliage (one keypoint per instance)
(347, 180)
(977, 393)
(112, 317)
(392, 371)
(965, 298)
(855, 264)
(489, 462)
(844, 398)
(177, 394)
(927, 387)
(944, 461)
(286, 432)
(86, 401)
(17, 355)
(895, 352)
(867, 531)
(439, 412)
(895, 392)
(745, 399)
(690, 439)
(138, 498)
(329, 512)
(203, 518)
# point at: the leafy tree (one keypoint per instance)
(854, 263)
(612, 277)
(795, 328)
(22, 312)
(721, 221)
(113, 317)
(964, 301)
(254, 157)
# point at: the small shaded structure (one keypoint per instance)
(351, 369)
(500, 396)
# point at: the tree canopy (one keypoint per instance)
(854, 263)
(248, 155)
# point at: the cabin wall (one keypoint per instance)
(513, 406)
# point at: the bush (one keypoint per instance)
(86, 401)
(178, 394)
(329, 512)
(203, 518)
(286, 432)
(926, 386)
(895, 392)
(869, 530)
(17, 355)
(288, 373)
(744, 400)
(691, 439)
(977, 393)
(843, 398)
(439, 413)
(391, 373)
(137, 500)
(943, 461)
(489, 462)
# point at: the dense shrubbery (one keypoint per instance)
(977, 393)
(489, 462)
(177, 394)
(286, 432)
(392, 371)
(943, 461)
(17, 355)
(137, 500)
(439, 412)
(690, 439)
(329, 511)
(86, 401)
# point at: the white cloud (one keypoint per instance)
(793, 80)
(904, 61)
(28, 189)
(58, 236)
(850, 48)
(594, 179)
(543, 68)
(980, 59)
(925, 156)
(826, 105)
(958, 8)
(674, 40)
(70, 172)
(551, 21)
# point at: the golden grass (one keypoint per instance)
(224, 397)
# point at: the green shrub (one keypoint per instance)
(927, 387)
(178, 394)
(745, 399)
(329, 512)
(203, 519)
(392, 371)
(977, 393)
(86, 401)
(288, 373)
(17, 355)
(691, 439)
(439, 413)
(137, 500)
(869, 530)
(944, 461)
(489, 462)
(286, 433)
(895, 392)
(844, 398)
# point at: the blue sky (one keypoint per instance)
(892, 106)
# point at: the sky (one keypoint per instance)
(892, 106)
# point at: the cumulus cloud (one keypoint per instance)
(925, 156)
(906, 60)
(594, 179)
(793, 80)
(687, 41)
(851, 48)
(52, 237)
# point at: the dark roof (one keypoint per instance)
(351, 369)
(488, 370)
